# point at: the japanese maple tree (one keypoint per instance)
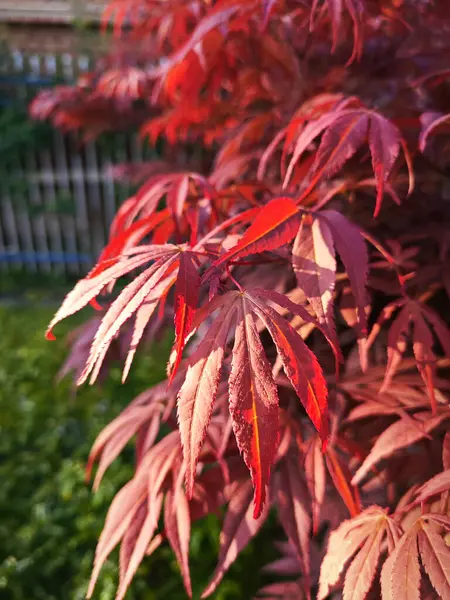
(303, 265)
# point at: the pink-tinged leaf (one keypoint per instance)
(400, 576)
(128, 302)
(393, 534)
(446, 451)
(386, 577)
(355, 9)
(289, 565)
(300, 365)
(143, 315)
(253, 402)
(400, 434)
(186, 297)
(315, 478)
(116, 444)
(307, 135)
(286, 590)
(177, 195)
(436, 485)
(276, 225)
(119, 517)
(439, 327)
(199, 389)
(352, 249)
(423, 353)
(239, 528)
(361, 573)
(435, 556)
(430, 121)
(146, 437)
(293, 510)
(177, 524)
(345, 134)
(314, 262)
(396, 345)
(371, 408)
(125, 241)
(384, 144)
(335, 9)
(158, 463)
(286, 303)
(385, 315)
(142, 542)
(129, 539)
(130, 420)
(342, 545)
(441, 520)
(340, 141)
(87, 289)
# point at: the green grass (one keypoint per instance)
(49, 518)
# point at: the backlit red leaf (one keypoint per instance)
(253, 403)
(341, 477)
(276, 224)
(301, 367)
(186, 298)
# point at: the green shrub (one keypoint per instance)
(49, 518)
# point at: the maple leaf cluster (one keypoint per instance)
(304, 267)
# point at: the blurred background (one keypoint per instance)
(57, 199)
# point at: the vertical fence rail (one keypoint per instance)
(56, 201)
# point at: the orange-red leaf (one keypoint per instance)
(276, 225)
(186, 298)
(315, 478)
(300, 365)
(341, 478)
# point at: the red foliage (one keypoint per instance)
(285, 257)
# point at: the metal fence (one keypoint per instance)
(57, 200)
